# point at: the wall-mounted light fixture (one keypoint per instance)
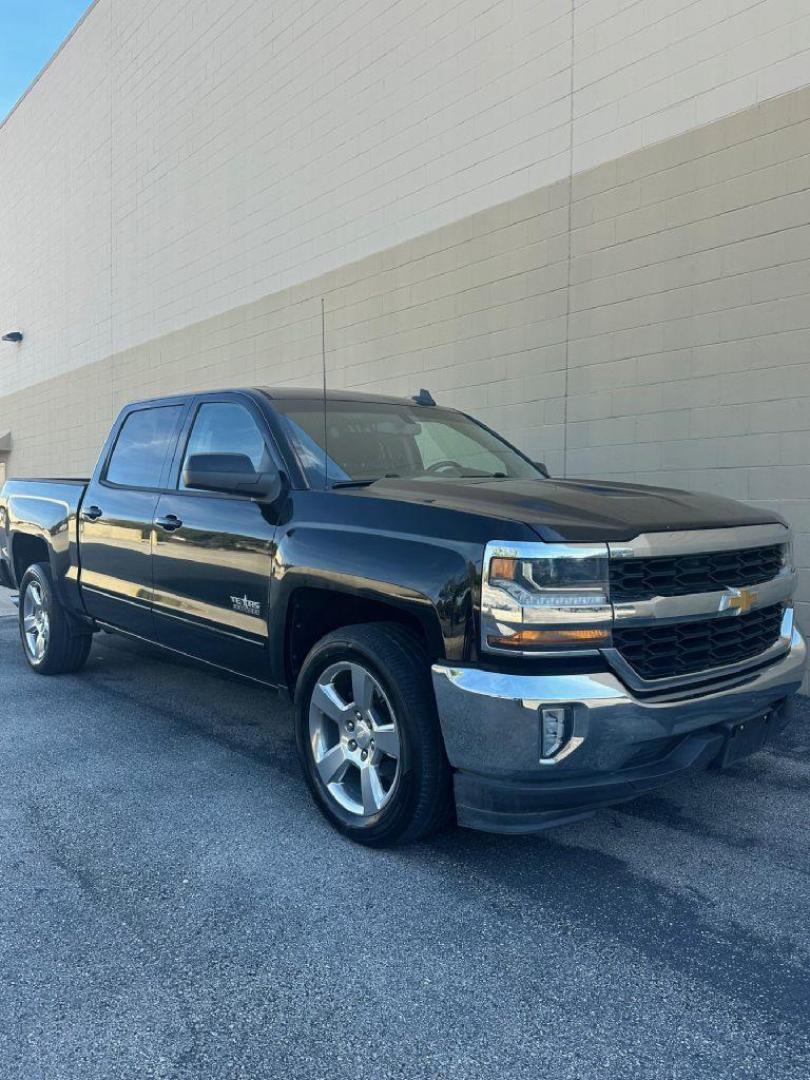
(15, 336)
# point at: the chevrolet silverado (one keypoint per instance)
(461, 634)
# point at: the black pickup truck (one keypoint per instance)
(461, 633)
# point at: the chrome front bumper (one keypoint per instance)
(491, 726)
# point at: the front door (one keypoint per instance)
(213, 554)
(116, 520)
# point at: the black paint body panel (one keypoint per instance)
(223, 585)
(575, 510)
(223, 553)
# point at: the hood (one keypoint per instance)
(576, 510)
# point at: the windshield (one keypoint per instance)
(369, 440)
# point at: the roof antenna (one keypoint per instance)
(323, 366)
(424, 397)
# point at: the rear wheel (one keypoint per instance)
(51, 640)
(368, 735)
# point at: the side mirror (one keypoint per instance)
(542, 468)
(231, 474)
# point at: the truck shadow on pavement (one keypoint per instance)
(256, 722)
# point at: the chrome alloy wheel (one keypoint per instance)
(354, 738)
(36, 625)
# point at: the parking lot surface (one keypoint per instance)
(171, 905)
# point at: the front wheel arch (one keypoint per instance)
(314, 612)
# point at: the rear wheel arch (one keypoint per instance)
(26, 550)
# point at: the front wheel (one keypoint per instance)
(50, 640)
(368, 736)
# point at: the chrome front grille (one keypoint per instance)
(643, 579)
(663, 652)
(699, 602)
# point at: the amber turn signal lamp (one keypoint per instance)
(543, 638)
(502, 569)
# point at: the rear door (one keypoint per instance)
(117, 514)
(213, 554)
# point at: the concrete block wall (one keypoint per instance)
(689, 327)
(645, 317)
(475, 310)
(645, 72)
(648, 319)
(178, 159)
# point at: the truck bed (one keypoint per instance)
(82, 481)
(41, 512)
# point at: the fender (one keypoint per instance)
(413, 557)
(430, 581)
(49, 516)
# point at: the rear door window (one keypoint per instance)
(142, 446)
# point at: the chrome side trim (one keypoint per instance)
(208, 627)
(710, 605)
(115, 588)
(144, 605)
(698, 541)
(211, 616)
(632, 679)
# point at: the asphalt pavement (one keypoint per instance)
(171, 905)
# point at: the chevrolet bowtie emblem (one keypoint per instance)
(741, 600)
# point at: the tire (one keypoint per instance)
(412, 795)
(51, 642)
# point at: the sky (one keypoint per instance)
(30, 33)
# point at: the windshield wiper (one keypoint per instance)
(363, 483)
(471, 476)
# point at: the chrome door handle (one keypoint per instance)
(92, 513)
(169, 523)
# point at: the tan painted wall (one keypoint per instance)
(661, 302)
(177, 159)
(475, 310)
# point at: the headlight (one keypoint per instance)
(787, 554)
(536, 597)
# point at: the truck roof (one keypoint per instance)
(282, 393)
(288, 393)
